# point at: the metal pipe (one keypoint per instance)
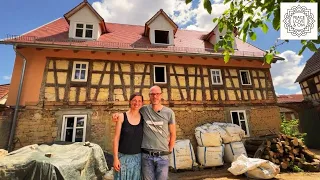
(16, 110)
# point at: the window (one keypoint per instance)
(239, 118)
(161, 37)
(160, 75)
(293, 116)
(74, 128)
(216, 76)
(84, 30)
(245, 77)
(80, 71)
(312, 86)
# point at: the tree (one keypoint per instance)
(248, 15)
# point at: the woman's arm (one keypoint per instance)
(116, 162)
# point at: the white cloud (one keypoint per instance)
(140, 11)
(203, 20)
(132, 12)
(284, 73)
(6, 77)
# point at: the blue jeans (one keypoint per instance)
(155, 167)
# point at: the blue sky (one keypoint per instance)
(34, 13)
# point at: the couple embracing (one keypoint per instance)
(144, 138)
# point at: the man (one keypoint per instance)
(159, 135)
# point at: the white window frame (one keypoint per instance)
(165, 74)
(213, 83)
(249, 78)
(154, 32)
(84, 30)
(64, 127)
(245, 120)
(74, 71)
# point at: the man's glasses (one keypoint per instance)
(155, 94)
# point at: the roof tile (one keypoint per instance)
(312, 67)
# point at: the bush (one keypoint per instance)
(291, 128)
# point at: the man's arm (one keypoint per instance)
(172, 129)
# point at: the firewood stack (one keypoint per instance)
(284, 151)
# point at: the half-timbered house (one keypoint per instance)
(78, 70)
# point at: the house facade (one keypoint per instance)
(79, 70)
(309, 78)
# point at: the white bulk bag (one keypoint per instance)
(208, 138)
(231, 133)
(210, 156)
(254, 168)
(233, 150)
(182, 156)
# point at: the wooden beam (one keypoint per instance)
(111, 84)
(56, 88)
(143, 77)
(124, 89)
(57, 50)
(210, 84)
(253, 85)
(93, 52)
(75, 51)
(186, 75)
(168, 81)
(178, 83)
(68, 81)
(204, 96)
(38, 49)
(100, 81)
(89, 79)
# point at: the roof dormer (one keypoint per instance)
(85, 22)
(160, 29)
(215, 36)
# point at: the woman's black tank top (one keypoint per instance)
(130, 137)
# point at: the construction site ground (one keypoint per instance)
(222, 173)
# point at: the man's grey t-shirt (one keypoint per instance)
(156, 134)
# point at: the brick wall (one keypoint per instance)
(44, 125)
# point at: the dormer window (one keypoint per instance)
(161, 37)
(84, 30)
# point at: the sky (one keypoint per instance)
(34, 13)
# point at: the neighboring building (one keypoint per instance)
(309, 78)
(4, 90)
(79, 70)
(309, 115)
(289, 104)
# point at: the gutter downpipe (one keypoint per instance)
(15, 116)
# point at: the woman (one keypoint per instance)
(127, 141)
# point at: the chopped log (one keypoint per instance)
(268, 143)
(287, 147)
(311, 167)
(294, 142)
(295, 151)
(309, 155)
(277, 161)
(284, 165)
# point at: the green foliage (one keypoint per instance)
(296, 168)
(246, 16)
(291, 128)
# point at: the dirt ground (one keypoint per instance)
(224, 174)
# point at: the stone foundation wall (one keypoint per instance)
(45, 125)
(5, 125)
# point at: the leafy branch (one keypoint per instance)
(246, 16)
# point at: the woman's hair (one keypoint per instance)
(134, 95)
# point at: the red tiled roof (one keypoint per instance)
(123, 36)
(4, 90)
(312, 67)
(290, 98)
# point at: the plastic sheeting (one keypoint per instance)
(233, 150)
(73, 161)
(210, 156)
(254, 168)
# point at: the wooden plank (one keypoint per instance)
(124, 90)
(210, 84)
(204, 96)
(77, 94)
(225, 84)
(195, 83)
(240, 84)
(186, 76)
(89, 79)
(178, 83)
(168, 81)
(132, 78)
(143, 77)
(272, 87)
(68, 81)
(100, 81)
(151, 75)
(56, 88)
(43, 84)
(111, 84)
(232, 84)
(253, 85)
